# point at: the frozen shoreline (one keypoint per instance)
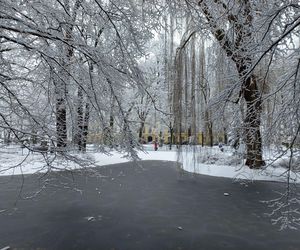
(210, 162)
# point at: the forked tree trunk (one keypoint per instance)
(238, 51)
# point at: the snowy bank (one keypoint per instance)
(210, 162)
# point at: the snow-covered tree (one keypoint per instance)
(79, 53)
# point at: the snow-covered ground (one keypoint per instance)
(206, 161)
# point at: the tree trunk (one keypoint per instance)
(60, 107)
(61, 124)
(193, 94)
(85, 126)
(225, 136)
(110, 131)
(238, 51)
(171, 136)
(7, 134)
(141, 130)
(111, 115)
(61, 84)
(210, 134)
(208, 129)
(79, 129)
(253, 139)
(177, 96)
(171, 79)
(111, 122)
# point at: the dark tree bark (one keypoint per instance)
(80, 125)
(63, 77)
(225, 136)
(111, 122)
(61, 124)
(239, 52)
(7, 134)
(252, 123)
(171, 142)
(141, 130)
(85, 126)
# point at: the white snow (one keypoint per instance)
(5, 248)
(209, 161)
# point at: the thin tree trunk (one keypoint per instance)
(186, 88)
(79, 129)
(177, 97)
(210, 134)
(208, 129)
(171, 136)
(85, 126)
(193, 84)
(171, 79)
(202, 91)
